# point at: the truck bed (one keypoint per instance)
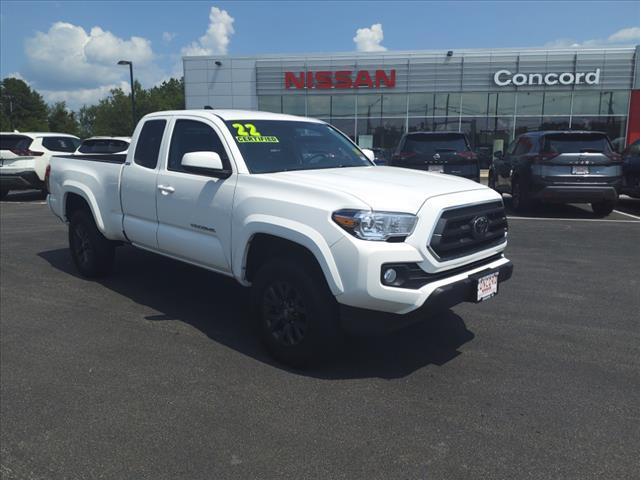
(97, 179)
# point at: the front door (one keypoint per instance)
(194, 210)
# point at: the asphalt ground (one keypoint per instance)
(155, 372)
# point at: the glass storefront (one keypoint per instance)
(490, 119)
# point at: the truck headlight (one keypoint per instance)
(377, 226)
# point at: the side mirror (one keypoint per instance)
(498, 154)
(369, 154)
(205, 163)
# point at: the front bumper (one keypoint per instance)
(24, 180)
(446, 295)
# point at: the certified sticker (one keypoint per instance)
(247, 133)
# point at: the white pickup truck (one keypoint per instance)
(291, 207)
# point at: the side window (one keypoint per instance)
(512, 147)
(148, 145)
(524, 145)
(193, 136)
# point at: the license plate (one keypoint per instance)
(435, 168)
(487, 286)
(580, 170)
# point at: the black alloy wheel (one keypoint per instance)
(285, 313)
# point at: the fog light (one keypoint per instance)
(390, 276)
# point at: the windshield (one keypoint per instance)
(105, 145)
(279, 146)
(430, 144)
(576, 143)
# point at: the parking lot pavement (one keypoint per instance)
(155, 373)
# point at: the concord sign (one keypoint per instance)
(503, 78)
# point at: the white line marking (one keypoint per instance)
(627, 214)
(574, 219)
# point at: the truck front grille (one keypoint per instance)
(466, 230)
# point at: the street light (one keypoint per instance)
(133, 98)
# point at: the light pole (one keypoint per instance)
(133, 97)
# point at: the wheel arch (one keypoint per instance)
(262, 238)
(77, 197)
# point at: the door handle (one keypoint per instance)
(166, 190)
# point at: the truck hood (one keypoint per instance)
(389, 189)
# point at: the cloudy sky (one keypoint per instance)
(69, 50)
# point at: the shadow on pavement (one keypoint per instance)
(219, 307)
(578, 211)
(25, 196)
(629, 205)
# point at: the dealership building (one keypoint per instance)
(491, 95)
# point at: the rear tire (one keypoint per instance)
(602, 209)
(296, 312)
(520, 197)
(91, 252)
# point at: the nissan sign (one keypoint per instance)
(342, 79)
(503, 78)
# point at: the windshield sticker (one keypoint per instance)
(247, 133)
(259, 139)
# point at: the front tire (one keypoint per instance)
(91, 252)
(602, 209)
(296, 312)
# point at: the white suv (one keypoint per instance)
(25, 156)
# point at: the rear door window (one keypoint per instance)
(524, 146)
(576, 143)
(149, 141)
(60, 144)
(430, 144)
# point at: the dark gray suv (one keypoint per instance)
(440, 152)
(561, 167)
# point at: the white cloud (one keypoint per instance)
(168, 36)
(630, 35)
(217, 37)
(82, 96)
(17, 75)
(68, 63)
(369, 39)
(624, 36)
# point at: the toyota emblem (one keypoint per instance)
(436, 156)
(479, 227)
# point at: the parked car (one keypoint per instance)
(294, 209)
(104, 145)
(380, 156)
(25, 156)
(559, 166)
(439, 152)
(631, 170)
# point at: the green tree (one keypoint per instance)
(22, 107)
(62, 120)
(86, 120)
